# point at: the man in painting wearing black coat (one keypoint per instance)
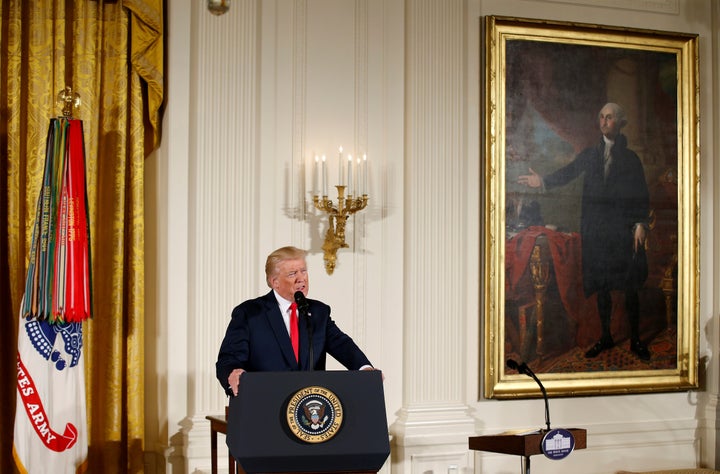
(613, 229)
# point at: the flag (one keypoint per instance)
(50, 432)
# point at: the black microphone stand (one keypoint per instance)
(544, 393)
(303, 308)
(310, 344)
(522, 368)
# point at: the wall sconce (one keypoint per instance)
(346, 205)
(218, 7)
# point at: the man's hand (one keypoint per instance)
(370, 367)
(640, 236)
(532, 180)
(234, 380)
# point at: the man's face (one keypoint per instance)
(291, 276)
(609, 122)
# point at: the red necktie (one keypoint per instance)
(294, 338)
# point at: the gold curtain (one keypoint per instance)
(111, 53)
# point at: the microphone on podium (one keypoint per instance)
(522, 368)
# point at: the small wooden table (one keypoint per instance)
(521, 444)
(218, 424)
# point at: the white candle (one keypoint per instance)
(365, 174)
(340, 167)
(324, 176)
(358, 177)
(316, 176)
(349, 174)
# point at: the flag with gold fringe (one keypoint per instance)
(51, 420)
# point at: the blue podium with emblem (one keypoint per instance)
(303, 422)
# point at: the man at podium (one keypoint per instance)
(273, 332)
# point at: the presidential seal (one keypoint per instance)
(314, 414)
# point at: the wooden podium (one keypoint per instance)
(521, 444)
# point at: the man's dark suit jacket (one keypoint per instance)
(257, 340)
(610, 209)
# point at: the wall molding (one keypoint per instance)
(670, 7)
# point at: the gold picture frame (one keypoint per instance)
(545, 84)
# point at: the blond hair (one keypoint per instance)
(278, 256)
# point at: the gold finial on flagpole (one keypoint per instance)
(68, 101)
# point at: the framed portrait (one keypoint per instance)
(590, 209)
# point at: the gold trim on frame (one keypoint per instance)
(501, 382)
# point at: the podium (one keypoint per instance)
(521, 444)
(319, 421)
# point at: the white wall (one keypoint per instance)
(252, 96)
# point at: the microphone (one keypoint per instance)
(302, 303)
(515, 366)
(303, 309)
(522, 368)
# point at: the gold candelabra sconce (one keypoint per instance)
(347, 205)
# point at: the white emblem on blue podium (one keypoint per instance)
(558, 444)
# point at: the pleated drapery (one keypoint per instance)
(111, 54)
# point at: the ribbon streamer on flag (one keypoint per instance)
(58, 283)
(50, 433)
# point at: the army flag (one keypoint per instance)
(50, 432)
